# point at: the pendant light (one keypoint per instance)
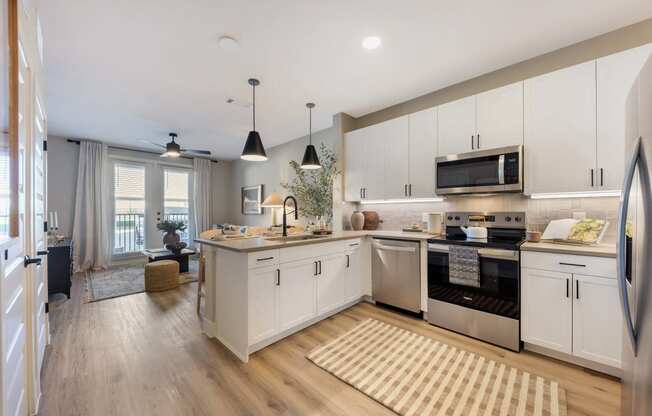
(310, 158)
(253, 149)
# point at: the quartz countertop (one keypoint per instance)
(597, 250)
(248, 245)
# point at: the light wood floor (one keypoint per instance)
(144, 355)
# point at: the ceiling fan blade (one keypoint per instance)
(152, 143)
(197, 152)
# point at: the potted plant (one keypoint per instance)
(314, 188)
(171, 227)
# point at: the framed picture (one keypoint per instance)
(252, 197)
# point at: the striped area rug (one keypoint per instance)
(415, 375)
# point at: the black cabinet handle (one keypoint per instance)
(601, 177)
(478, 141)
(316, 269)
(278, 277)
(472, 145)
(405, 190)
(577, 289)
(348, 261)
(264, 258)
(567, 291)
(28, 260)
(592, 181)
(42, 252)
(360, 193)
(410, 190)
(319, 266)
(572, 264)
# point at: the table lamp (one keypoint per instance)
(273, 201)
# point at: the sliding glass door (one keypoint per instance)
(144, 194)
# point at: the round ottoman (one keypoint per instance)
(161, 275)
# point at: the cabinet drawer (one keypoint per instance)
(313, 250)
(352, 245)
(568, 263)
(263, 258)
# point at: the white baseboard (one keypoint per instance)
(601, 368)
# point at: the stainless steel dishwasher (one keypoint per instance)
(395, 271)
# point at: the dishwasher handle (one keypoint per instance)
(381, 246)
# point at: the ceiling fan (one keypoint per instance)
(172, 149)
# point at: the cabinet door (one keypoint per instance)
(331, 283)
(353, 278)
(597, 320)
(422, 151)
(500, 117)
(560, 130)
(456, 131)
(546, 306)
(616, 75)
(396, 173)
(262, 309)
(354, 164)
(296, 293)
(373, 155)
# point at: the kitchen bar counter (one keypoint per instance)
(250, 245)
(598, 250)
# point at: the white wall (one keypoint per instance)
(63, 158)
(221, 196)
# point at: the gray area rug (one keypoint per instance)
(127, 280)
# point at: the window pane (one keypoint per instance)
(129, 207)
(175, 198)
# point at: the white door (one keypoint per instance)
(616, 75)
(37, 334)
(456, 131)
(263, 301)
(597, 320)
(560, 130)
(423, 151)
(354, 164)
(297, 293)
(500, 117)
(331, 283)
(353, 278)
(374, 163)
(396, 172)
(547, 308)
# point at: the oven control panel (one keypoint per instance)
(485, 219)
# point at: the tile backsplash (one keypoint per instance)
(538, 211)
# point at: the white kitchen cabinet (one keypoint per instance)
(456, 127)
(353, 278)
(396, 172)
(354, 157)
(616, 75)
(374, 162)
(331, 282)
(560, 130)
(262, 310)
(597, 320)
(297, 293)
(422, 153)
(546, 309)
(499, 117)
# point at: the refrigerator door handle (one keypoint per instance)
(622, 246)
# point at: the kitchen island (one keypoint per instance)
(260, 290)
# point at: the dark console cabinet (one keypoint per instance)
(60, 267)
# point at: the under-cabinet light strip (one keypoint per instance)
(600, 194)
(400, 201)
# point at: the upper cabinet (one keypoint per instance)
(485, 121)
(365, 164)
(560, 128)
(616, 75)
(422, 151)
(394, 134)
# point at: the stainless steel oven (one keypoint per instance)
(483, 171)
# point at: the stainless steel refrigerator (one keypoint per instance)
(635, 250)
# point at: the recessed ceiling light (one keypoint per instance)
(228, 44)
(371, 42)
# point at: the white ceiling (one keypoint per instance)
(123, 70)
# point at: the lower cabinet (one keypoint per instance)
(572, 313)
(282, 296)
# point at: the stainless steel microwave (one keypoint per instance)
(483, 171)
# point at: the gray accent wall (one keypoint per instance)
(63, 158)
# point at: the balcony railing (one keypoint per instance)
(129, 232)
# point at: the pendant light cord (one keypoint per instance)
(254, 112)
(310, 125)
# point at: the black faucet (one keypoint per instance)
(285, 213)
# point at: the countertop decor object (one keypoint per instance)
(171, 227)
(371, 220)
(533, 236)
(310, 158)
(357, 220)
(253, 150)
(313, 188)
(251, 200)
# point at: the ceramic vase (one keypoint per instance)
(171, 237)
(357, 220)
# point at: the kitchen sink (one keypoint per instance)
(294, 237)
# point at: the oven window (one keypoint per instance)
(498, 292)
(481, 171)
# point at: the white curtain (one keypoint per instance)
(201, 195)
(90, 232)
